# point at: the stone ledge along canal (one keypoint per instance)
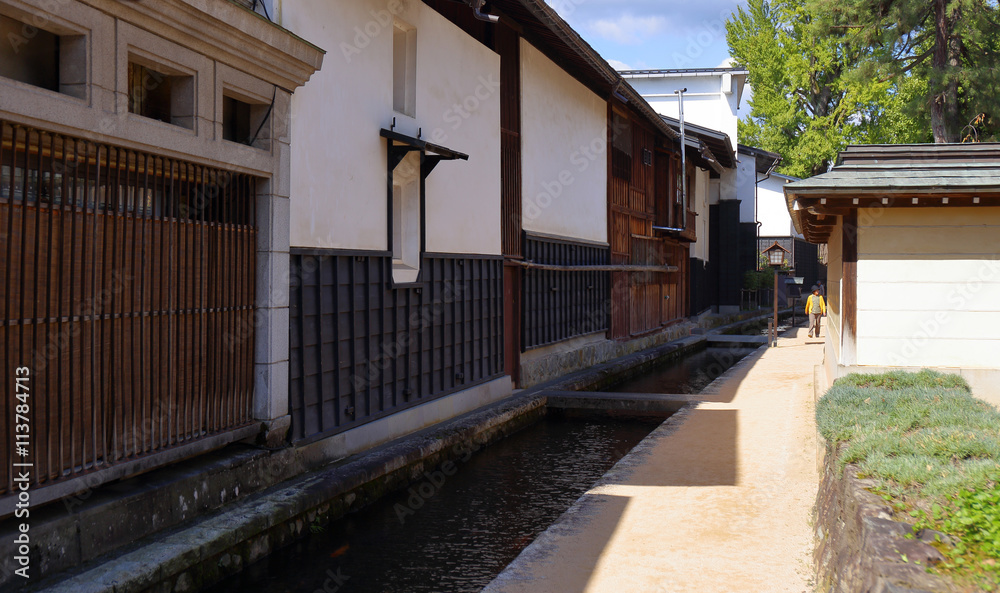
(455, 530)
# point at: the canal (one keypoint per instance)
(455, 530)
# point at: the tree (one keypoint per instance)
(952, 44)
(805, 107)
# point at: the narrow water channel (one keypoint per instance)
(685, 375)
(455, 533)
(452, 533)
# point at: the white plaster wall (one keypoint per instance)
(746, 177)
(772, 210)
(834, 274)
(705, 103)
(728, 185)
(714, 191)
(929, 287)
(338, 191)
(564, 171)
(699, 248)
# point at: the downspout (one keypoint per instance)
(684, 185)
(477, 11)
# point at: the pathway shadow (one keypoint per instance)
(700, 452)
(724, 391)
(596, 514)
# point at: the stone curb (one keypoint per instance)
(860, 546)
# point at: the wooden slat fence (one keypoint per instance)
(127, 288)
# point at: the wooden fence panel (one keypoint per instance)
(127, 288)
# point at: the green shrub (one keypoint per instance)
(929, 445)
(756, 280)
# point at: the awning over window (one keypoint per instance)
(401, 144)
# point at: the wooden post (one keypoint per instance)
(774, 341)
(849, 290)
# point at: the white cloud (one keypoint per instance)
(628, 29)
(617, 65)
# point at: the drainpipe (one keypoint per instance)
(684, 185)
(477, 11)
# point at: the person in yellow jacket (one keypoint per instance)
(815, 309)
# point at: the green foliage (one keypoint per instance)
(804, 106)
(933, 450)
(902, 380)
(971, 520)
(913, 430)
(950, 47)
(974, 517)
(757, 279)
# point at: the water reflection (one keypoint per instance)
(687, 375)
(459, 527)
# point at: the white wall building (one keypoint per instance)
(396, 300)
(712, 98)
(914, 279)
(772, 211)
(565, 190)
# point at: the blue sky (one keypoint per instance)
(639, 34)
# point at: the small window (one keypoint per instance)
(167, 97)
(406, 219)
(236, 120)
(621, 147)
(404, 69)
(245, 122)
(43, 59)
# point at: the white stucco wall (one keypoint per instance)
(772, 210)
(746, 177)
(338, 164)
(727, 185)
(929, 287)
(564, 169)
(700, 190)
(834, 274)
(706, 101)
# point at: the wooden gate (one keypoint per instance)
(127, 291)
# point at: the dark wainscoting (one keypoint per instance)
(361, 349)
(559, 305)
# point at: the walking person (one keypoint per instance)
(815, 309)
(822, 289)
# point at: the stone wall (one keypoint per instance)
(861, 544)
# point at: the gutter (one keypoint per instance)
(477, 11)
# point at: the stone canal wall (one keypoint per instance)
(862, 546)
(191, 558)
